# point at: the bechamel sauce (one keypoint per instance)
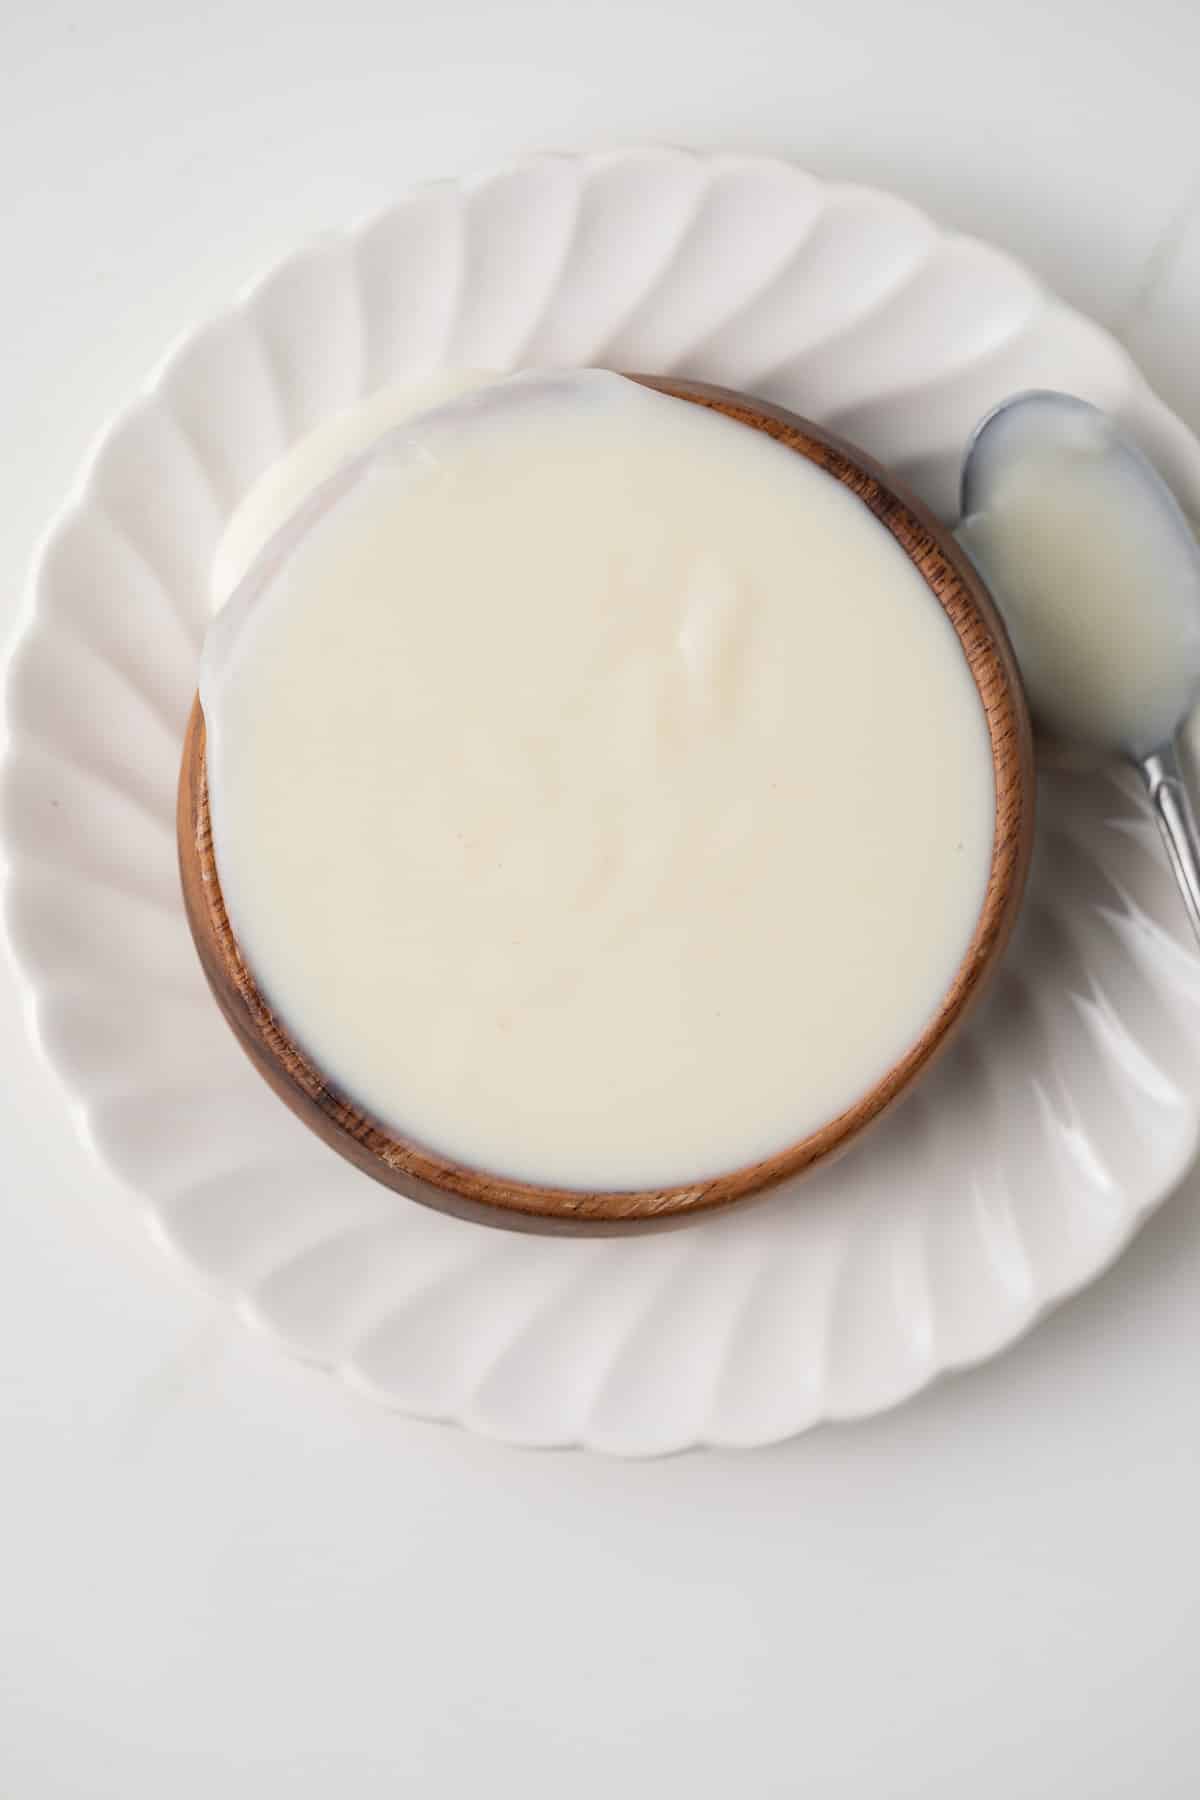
(1095, 569)
(600, 796)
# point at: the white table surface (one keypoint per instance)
(219, 1574)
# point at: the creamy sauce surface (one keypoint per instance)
(599, 795)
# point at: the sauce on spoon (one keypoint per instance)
(1096, 569)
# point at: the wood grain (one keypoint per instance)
(423, 1175)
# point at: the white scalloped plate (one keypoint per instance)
(1017, 1171)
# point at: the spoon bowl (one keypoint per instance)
(1096, 569)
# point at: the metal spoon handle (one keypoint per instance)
(1177, 822)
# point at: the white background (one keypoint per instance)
(219, 1574)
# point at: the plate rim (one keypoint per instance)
(31, 980)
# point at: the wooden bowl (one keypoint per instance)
(422, 1175)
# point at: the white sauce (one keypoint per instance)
(599, 794)
(1095, 569)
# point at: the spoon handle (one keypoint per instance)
(1177, 822)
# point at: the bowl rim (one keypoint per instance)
(449, 1186)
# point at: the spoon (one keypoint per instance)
(1096, 570)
